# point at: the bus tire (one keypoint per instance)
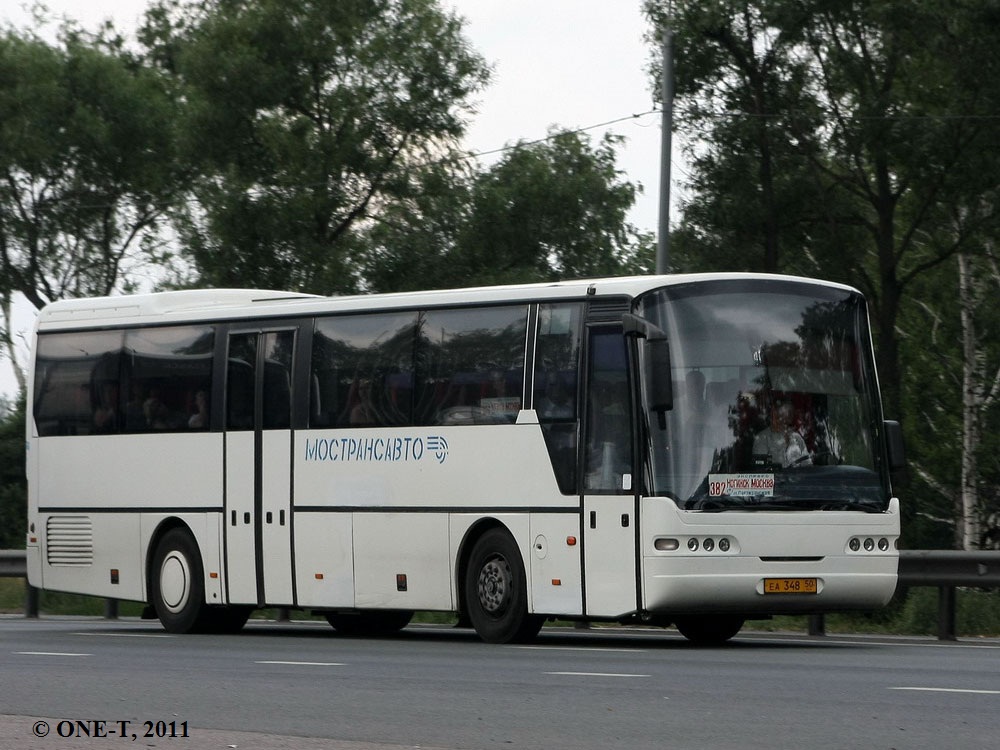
(496, 593)
(177, 583)
(709, 630)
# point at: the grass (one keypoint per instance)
(913, 613)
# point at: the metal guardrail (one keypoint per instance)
(944, 569)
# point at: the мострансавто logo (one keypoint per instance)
(377, 449)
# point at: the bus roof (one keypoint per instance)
(229, 304)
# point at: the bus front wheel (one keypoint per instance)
(496, 593)
(177, 585)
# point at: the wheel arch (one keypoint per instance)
(472, 535)
(162, 529)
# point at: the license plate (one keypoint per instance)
(790, 586)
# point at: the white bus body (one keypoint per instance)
(500, 452)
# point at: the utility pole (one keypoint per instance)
(667, 96)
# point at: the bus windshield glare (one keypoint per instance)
(775, 399)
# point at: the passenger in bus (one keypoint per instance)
(363, 412)
(199, 420)
(106, 413)
(155, 410)
(779, 444)
(556, 402)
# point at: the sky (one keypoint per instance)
(556, 63)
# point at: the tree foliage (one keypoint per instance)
(86, 163)
(847, 140)
(551, 210)
(304, 118)
(13, 485)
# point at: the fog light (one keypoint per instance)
(855, 544)
(723, 545)
(883, 544)
(709, 545)
(693, 545)
(869, 544)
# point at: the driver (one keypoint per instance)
(782, 445)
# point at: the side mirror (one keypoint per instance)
(894, 445)
(659, 385)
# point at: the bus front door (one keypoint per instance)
(609, 500)
(259, 468)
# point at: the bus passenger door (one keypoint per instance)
(609, 500)
(258, 467)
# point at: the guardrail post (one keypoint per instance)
(110, 609)
(946, 613)
(30, 601)
(283, 615)
(817, 625)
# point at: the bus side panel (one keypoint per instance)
(121, 476)
(413, 545)
(324, 563)
(136, 472)
(556, 584)
(80, 551)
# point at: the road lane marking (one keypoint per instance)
(127, 635)
(304, 663)
(583, 648)
(48, 653)
(596, 674)
(948, 690)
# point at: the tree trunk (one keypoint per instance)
(967, 530)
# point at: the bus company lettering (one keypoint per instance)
(377, 449)
(740, 485)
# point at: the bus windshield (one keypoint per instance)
(775, 399)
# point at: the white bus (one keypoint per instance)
(688, 450)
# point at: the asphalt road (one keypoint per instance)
(302, 686)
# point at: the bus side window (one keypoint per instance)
(78, 383)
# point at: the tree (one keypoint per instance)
(872, 145)
(86, 168)
(13, 485)
(304, 118)
(556, 209)
(886, 155)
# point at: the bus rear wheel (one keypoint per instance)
(496, 593)
(709, 630)
(177, 584)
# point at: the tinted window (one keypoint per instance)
(470, 366)
(77, 389)
(168, 378)
(557, 363)
(362, 370)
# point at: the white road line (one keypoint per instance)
(583, 648)
(948, 690)
(596, 674)
(47, 653)
(127, 635)
(304, 663)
